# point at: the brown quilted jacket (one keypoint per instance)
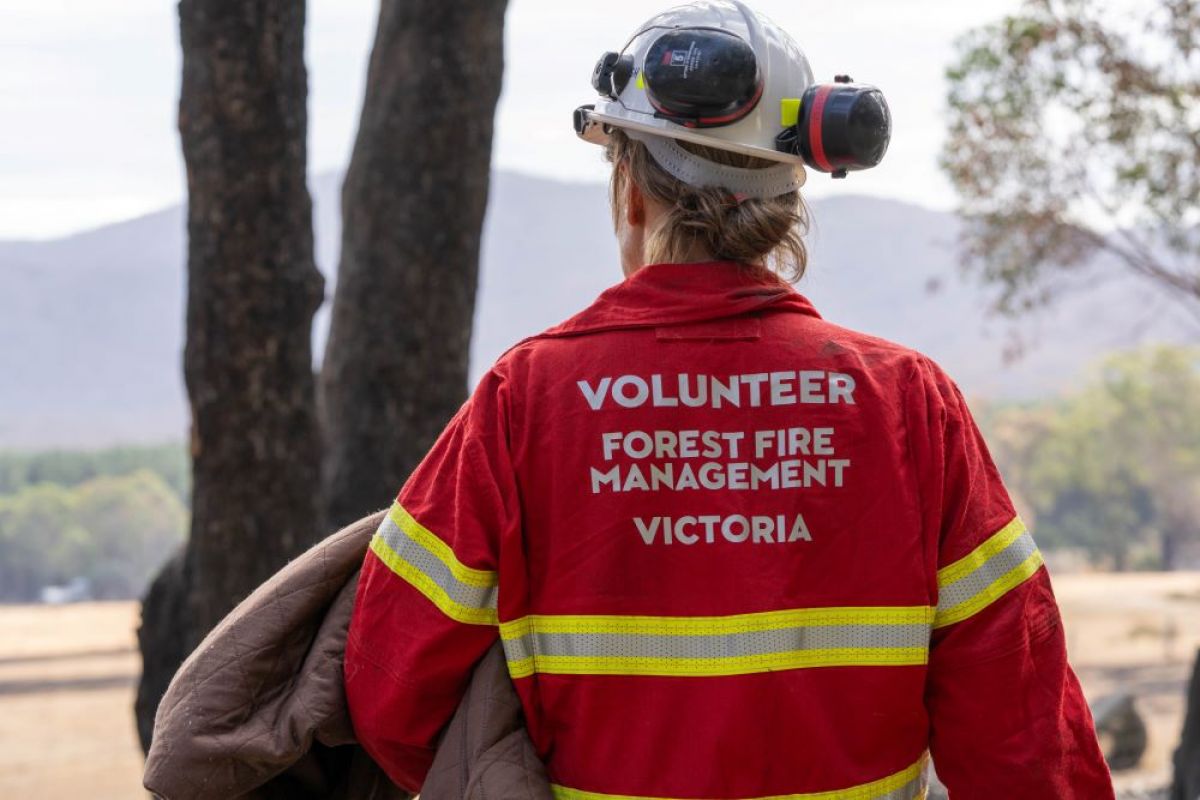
(258, 712)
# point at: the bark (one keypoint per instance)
(253, 287)
(1186, 784)
(1170, 549)
(412, 207)
(162, 640)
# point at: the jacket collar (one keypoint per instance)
(675, 294)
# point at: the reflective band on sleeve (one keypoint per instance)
(424, 537)
(425, 561)
(911, 783)
(1003, 562)
(709, 646)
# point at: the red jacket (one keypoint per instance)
(732, 551)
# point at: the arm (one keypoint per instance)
(1007, 715)
(425, 610)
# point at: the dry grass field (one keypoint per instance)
(1136, 633)
(67, 678)
(67, 675)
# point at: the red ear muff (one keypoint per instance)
(842, 127)
(814, 127)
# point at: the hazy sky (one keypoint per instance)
(88, 93)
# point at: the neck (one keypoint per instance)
(697, 253)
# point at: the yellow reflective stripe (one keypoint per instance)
(428, 587)
(907, 783)
(981, 554)
(997, 589)
(710, 667)
(703, 626)
(427, 539)
(1002, 562)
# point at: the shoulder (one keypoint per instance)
(866, 353)
(547, 349)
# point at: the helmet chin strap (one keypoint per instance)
(690, 168)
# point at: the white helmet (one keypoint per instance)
(717, 73)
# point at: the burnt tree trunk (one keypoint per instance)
(163, 640)
(413, 204)
(253, 288)
(1186, 785)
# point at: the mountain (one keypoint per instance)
(92, 325)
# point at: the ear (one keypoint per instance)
(635, 204)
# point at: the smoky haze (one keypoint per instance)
(95, 321)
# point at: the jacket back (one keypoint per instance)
(731, 551)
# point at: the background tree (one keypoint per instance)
(253, 288)
(397, 361)
(1113, 470)
(133, 523)
(111, 531)
(170, 462)
(1074, 132)
(1155, 394)
(40, 542)
(413, 202)
(1087, 494)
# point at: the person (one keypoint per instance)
(731, 549)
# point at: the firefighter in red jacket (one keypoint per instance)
(732, 550)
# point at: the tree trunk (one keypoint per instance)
(412, 207)
(1186, 785)
(1120, 558)
(162, 639)
(252, 290)
(1170, 548)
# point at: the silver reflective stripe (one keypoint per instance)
(715, 646)
(913, 790)
(432, 567)
(986, 574)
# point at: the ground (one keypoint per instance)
(1136, 633)
(67, 678)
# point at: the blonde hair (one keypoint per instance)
(762, 233)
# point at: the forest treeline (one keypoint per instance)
(1110, 472)
(70, 468)
(109, 517)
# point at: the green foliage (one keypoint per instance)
(114, 531)
(1114, 469)
(1073, 131)
(71, 468)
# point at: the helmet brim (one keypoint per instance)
(594, 132)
